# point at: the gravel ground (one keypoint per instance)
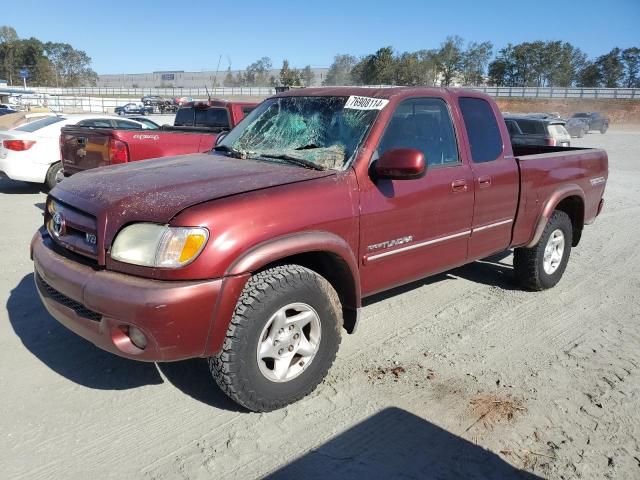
(459, 376)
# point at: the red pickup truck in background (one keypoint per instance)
(195, 129)
(258, 255)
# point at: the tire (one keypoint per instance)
(529, 265)
(50, 177)
(252, 380)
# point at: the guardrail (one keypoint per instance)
(69, 104)
(163, 92)
(523, 92)
(98, 104)
(561, 92)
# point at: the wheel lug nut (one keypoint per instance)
(276, 342)
(291, 348)
(290, 327)
(281, 351)
(301, 363)
(281, 331)
(296, 336)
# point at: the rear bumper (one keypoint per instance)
(101, 306)
(23, 169)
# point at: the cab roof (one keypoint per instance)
(375, 92)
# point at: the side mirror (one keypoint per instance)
(401, 164)
(221, 137)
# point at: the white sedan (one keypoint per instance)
(31, 152)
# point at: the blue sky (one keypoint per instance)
(142, 36)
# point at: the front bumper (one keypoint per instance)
(101, 306)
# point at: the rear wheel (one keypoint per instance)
(541, 266)
(50, 178)
(282, 340)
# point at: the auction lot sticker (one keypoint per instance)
(365, 103)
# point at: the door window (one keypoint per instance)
(423, 124)
(482, 129)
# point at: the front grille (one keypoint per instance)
(80, 230)
(62, 299)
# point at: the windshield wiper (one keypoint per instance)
(233, 152)
(294, 160)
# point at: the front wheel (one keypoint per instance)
(282, 339)
(541, 266)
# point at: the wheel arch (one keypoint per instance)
(323, 252)
(569, 199)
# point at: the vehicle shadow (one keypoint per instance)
(397, 444)
(193, 378)
(491, 271)
(20, 188)
(83, 363)
(66, 353)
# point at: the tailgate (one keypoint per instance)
(84, 148)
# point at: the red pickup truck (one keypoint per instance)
(257, 255)
(196, 127)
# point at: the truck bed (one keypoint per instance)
(84, 148)
(547, 172)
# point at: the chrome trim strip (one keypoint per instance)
(491, 225)
(417, 245)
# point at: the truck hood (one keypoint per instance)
(157, 190)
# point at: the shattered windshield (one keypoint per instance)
(313, 132)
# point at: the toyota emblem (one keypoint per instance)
(58, 224)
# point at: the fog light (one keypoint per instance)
(137, 338)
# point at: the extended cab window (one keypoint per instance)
(128, 125)
(212, 117)
(95, 123)
(423, 124)
(184, 117)
(512, 126)
(531, 127)
(482, 129)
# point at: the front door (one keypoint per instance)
(412, 228)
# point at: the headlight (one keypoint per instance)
(152, 245)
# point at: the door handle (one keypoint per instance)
(459, 186)
(484, 182)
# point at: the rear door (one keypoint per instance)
(412, 228)
(495, 179)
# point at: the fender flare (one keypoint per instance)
(566, 191)
(239, 272)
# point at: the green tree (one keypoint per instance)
(289, 77)
(72, 67)
(8, 41)
(450, 59)
(376, 69)
(257, 74)
(589, 76)
(340, 70)
(611, 68)
(631, 61)
(307, 76)
(229, 80)
(474, 62)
